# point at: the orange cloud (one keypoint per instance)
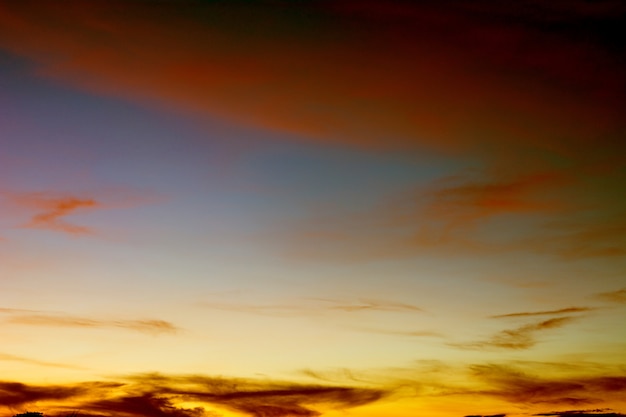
(146, 326)
(48, 210)
(313, 306)
(157, 395)
(528, 386)
(51, 219)
(51, 210)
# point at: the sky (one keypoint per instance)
(228, 208)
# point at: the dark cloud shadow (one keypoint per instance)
(157, 395)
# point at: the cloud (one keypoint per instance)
(602, 412)
(261, 398)
(528, 385)
(9, 357)
(154, 327)
(487, 212)
(142, 405)
(617, 296)
(603, 237)
(5, 310)
(15, 394)
(50, 210)
(453, 75)
(315, 306)
(567, 310)
(405, 333)
(508, 387)
(518, 387)
(538, 104)
(409, 333)
(368, 304)
(454, 214)
(157, 395)
(491, 415)
(523, 337)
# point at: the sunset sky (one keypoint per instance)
(300, 208)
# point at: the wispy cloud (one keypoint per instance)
(14, 358)
(368, 304)
(6, 310)
(518, 386)
(523, 337)
(315, 306)
(154, 327)
(617, 296)
(50, 210)
(449, 215)
(558, 312)
(405, 333)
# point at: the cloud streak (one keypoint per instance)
(561, 311)
(599, 412)
(617, 296)
(523, 337)
(315, 306)
(30, 361)
(154, 327)
(51, 210)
